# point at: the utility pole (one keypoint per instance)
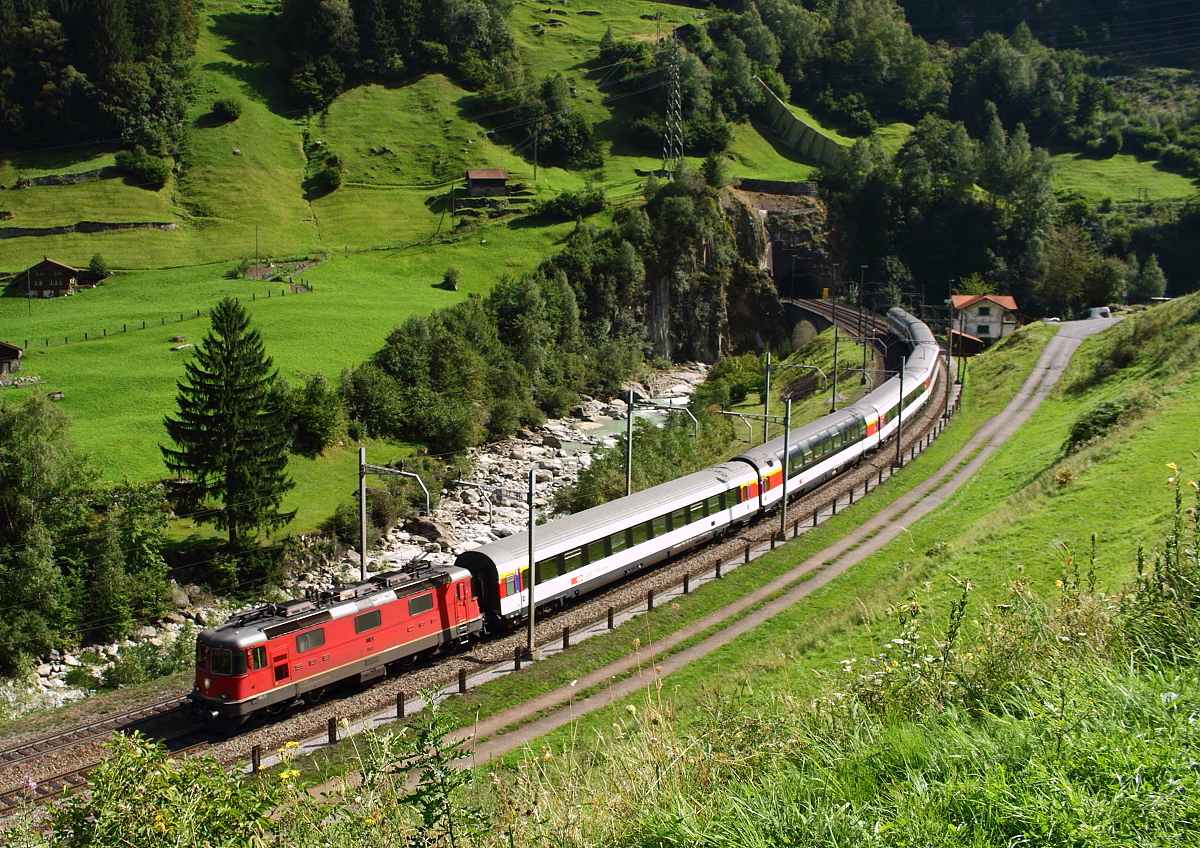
(380, 471)
(787, 434)
(532, 563)
(949, 344)
(900, 415)
(629, 444)
(833, 390)
(862, 321)
(767, 395)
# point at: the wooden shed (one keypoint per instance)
(10, 358)
(487, 182)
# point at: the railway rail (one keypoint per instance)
(187, 737)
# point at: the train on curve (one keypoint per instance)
(268, 658)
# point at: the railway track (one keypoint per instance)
(190, 739)
(75, 736)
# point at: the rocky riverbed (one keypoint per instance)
(492, 506)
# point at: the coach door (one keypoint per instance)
(279, 666)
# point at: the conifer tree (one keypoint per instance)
(229, 440)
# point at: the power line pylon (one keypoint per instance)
(672, 158)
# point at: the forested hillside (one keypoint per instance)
(110, 72)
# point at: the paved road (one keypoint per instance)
(561, 705)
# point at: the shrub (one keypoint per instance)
(331, 175)
(569, 205)
(227, 109)
(153, 170)
(1095, 423)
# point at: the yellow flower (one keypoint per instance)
(1172, 466)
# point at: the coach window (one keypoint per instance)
(571, 560)
(310, 640)
(367, 621)
(618, 541)
(258, 658)
(597, 550)
(640, 533)
(659, 526)
(726, 500)
(420, 604)
(697, 511)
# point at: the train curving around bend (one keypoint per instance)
(266, 659)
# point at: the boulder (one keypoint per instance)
(430, 529)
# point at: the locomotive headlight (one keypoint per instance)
(207, 683)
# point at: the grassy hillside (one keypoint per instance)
(247, 192)
(1027, 517)
(835, 721)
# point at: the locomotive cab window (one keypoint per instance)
(258, 658)
(310, 640)
(201, 656)
(420, 604)
(225, 662)
(367, 621)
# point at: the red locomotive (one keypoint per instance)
(271, 656)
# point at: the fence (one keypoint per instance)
(133, 326)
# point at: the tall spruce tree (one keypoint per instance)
(230, 441)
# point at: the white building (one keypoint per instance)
(986, 316)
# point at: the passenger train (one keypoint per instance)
(270, 657)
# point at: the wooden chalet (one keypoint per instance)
(48, 279)
(487, 182)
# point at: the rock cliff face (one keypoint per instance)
(708, 290)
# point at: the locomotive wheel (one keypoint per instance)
(316, 696)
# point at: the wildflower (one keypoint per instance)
(1058, 584)
(291, 744)
(1173, 466)
(631, 709)
(370, 821)
(31, 784)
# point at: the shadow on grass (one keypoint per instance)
(58, 160)
(257, 61)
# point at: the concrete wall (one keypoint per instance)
(806, 140)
